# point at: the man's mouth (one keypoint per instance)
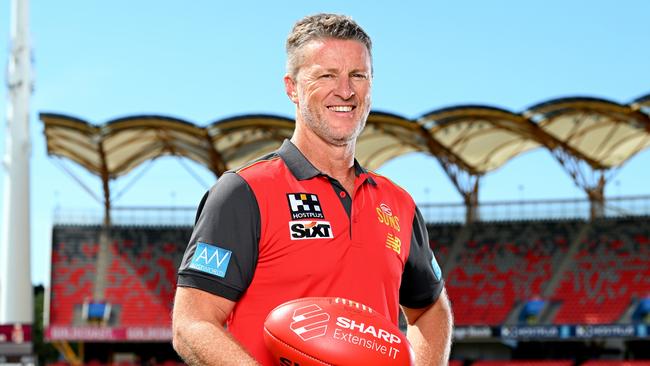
(341, 108)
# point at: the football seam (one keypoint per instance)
(296, 349)
(314, 298)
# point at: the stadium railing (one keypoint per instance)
(575, 208)
(541, 209)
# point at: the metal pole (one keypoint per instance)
(16, 299)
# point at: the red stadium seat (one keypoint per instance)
(611, 268)
(141, 275)
(503, 264)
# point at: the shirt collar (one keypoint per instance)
(302, 169)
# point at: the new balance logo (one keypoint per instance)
(304, 206)
(393, 242)
(309, 322)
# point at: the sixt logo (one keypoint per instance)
(310, 230)
(211, 259)
(385, 216)
(309, 322)
(304, 206)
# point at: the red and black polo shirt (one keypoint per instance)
(279, 229)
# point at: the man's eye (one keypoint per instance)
(327, 76)
(359, 76)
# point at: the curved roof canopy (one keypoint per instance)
(605, 133)
(477, 139)
(240, 139)
(116, 147)
(483, 137)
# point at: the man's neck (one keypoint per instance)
(335, 161)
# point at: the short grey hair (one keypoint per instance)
(321, 26)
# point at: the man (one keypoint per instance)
(308, 220)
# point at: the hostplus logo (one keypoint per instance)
(304, 206)
(309, 322)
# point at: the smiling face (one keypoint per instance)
(332, 89)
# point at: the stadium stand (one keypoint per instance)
(498, 269)
(140, 280)
(74, 250)
(611, 273)
(441, 239)
(502, 264)
(506, 267)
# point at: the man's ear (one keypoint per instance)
(290, 88)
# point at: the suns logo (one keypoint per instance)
(386, 217)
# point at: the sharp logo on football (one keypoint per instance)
(378, 333)
(301, 230)
(304, 206)
(309, 322)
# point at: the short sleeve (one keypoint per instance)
(422, 278)
(221, 255)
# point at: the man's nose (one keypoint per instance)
(344, 87)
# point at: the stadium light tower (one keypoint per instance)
(16, 299)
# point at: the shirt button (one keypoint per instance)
(342, 194)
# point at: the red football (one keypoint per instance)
(333, 331)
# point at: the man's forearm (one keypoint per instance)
(204, 343)
(430, 335)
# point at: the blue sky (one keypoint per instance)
(203, 61)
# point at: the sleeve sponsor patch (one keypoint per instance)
(211, 259)
(436, 268)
